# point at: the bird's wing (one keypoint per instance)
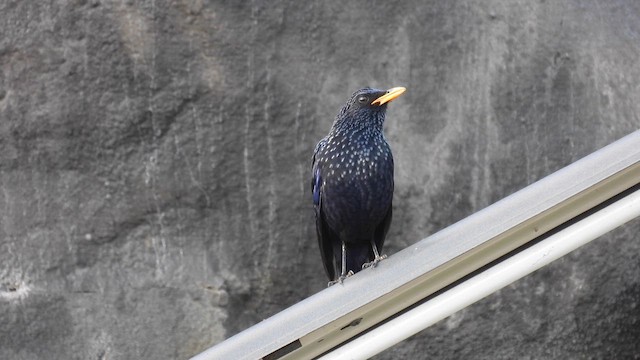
(319, 146)
(382, 229)
(325, 234)
(316, 178)
(326, 238)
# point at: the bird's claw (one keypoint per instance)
(340, 279)
(375, 261)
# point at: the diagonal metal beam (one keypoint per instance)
(340, 313)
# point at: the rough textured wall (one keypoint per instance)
(154, 161)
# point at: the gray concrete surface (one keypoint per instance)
(154, 163)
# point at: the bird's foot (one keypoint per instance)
(375, 261)
(340, 279)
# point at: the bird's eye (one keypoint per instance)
(362, 99)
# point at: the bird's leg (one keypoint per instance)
(376, 256)
(343, 274)
(344, 262)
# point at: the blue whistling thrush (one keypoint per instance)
(352, 185)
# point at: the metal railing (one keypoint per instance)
(479, 255)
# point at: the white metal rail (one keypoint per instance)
(540, 222)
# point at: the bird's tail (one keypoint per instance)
(357, 255)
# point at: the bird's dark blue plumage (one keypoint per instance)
(352, 184)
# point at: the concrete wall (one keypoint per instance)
(154, 163)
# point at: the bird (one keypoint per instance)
(352, 185)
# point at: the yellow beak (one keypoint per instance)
(390, 95)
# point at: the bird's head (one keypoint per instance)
(367, 107)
